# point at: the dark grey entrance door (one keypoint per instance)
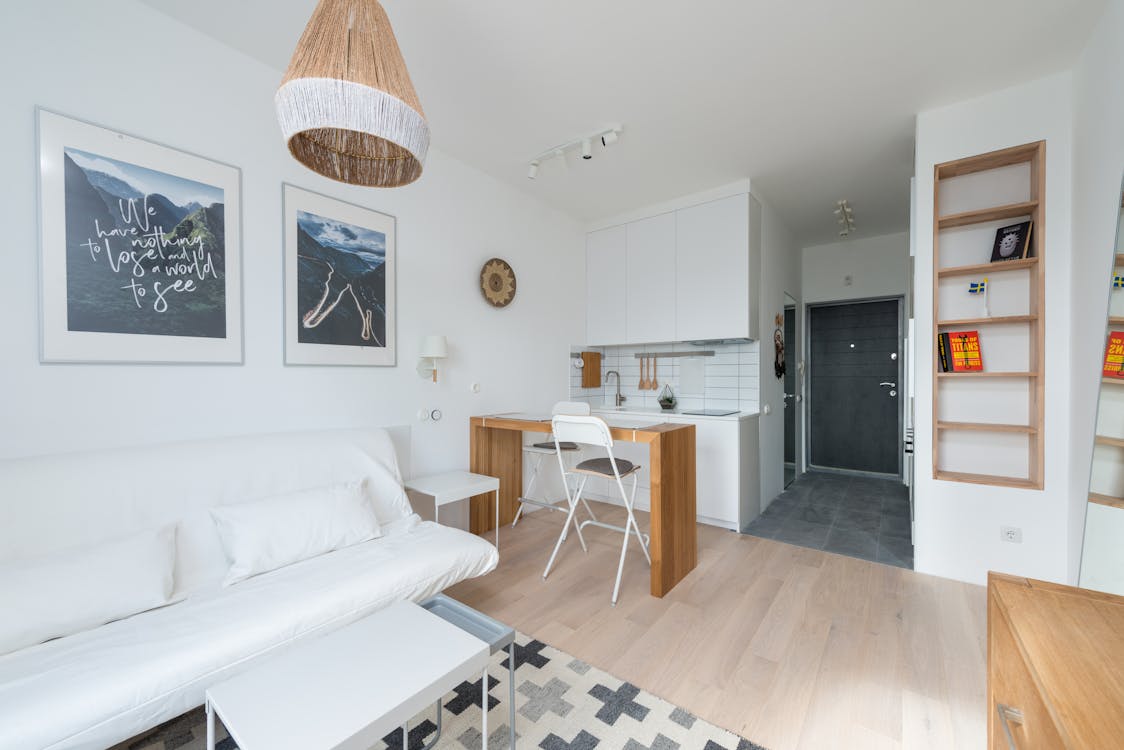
(791, 358)
(853, 386)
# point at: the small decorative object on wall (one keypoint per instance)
(497, 282)
(346, 106)
(1011, 242)
(140, 249)
(339, 282)
(1117, 281)
(778, 346)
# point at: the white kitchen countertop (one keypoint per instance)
(644, 411)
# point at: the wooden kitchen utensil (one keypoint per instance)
(653, 384)
(643, 381)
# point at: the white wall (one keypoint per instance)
(1098, 163)
(123, 65)
(780, 273)
(877, 267)
(957, 525)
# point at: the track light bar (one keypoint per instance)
(607, 137)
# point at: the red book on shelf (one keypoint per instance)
(1114, 355)
(965, 351)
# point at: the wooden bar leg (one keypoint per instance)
(674, 536)
(495, 453)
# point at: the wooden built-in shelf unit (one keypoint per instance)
(984, 430)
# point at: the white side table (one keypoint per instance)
(453, 486)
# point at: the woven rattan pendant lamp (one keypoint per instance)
(346, 105)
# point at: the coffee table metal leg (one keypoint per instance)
(210, 725)
(484, 709)
(436, 737)
(511, 690)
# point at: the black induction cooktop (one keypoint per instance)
(709, 412)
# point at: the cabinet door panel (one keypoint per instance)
(712, 270)
(717, 468)
(606, 267)
(651, 280)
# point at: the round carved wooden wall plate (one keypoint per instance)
(497, 282)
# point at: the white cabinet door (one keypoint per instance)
(717, 468)
(651, 280)
(712, 270)
(606, 268)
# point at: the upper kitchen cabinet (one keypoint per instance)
(650, 291)
(686, 275)
(606, 264)
(713, 279)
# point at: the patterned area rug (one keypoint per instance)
(561, 704)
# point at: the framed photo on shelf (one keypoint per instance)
(1011, 242)
(140, 249)
(339, 282)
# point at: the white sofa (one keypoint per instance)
(96, 688)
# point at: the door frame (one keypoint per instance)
(808, 399)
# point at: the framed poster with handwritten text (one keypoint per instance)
(140, 249)
(339, 282)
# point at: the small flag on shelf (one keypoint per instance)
(1117, 281)
(978, 287)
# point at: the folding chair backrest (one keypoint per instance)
(577, 408)
(581, 429)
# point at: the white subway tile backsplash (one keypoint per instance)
(731, 377)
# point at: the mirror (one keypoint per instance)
(1102, 555)
(791, 353)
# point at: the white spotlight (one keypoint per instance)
(533, 170)
(587, 149)
(609, 138)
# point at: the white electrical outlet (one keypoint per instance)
(1011, 534)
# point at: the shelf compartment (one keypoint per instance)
(997, 267)
(987, 427)
(995, 480)
(994, 320)
(985, 215)
(1109, 441)
(986, 374)
(1109, 500)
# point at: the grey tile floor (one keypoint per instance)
(859, 516)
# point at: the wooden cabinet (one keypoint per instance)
(686, 275)
(1054, 656)
(712, 297)
(650, 291)
(606, 263)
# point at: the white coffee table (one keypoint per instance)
(453, 486)
(350, 688)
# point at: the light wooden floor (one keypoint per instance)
(789, 647)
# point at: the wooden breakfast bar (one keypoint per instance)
(496, 447)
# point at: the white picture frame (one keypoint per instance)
(340, 306)
(136, 290)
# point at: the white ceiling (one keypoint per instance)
(814, 100)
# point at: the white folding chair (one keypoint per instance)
(538, 451)
(589, 430)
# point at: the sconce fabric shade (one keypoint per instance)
(346, 105)
(434, 347)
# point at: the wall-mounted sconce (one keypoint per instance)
(433, 348)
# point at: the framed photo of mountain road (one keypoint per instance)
(339, 282)
(140, 249)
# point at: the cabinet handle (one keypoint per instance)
(1006, 715)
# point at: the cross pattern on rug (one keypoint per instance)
(562, 703)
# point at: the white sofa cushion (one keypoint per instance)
(96, 688)
(69, 592)
(276, 531)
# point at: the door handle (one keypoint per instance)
(888, 385)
